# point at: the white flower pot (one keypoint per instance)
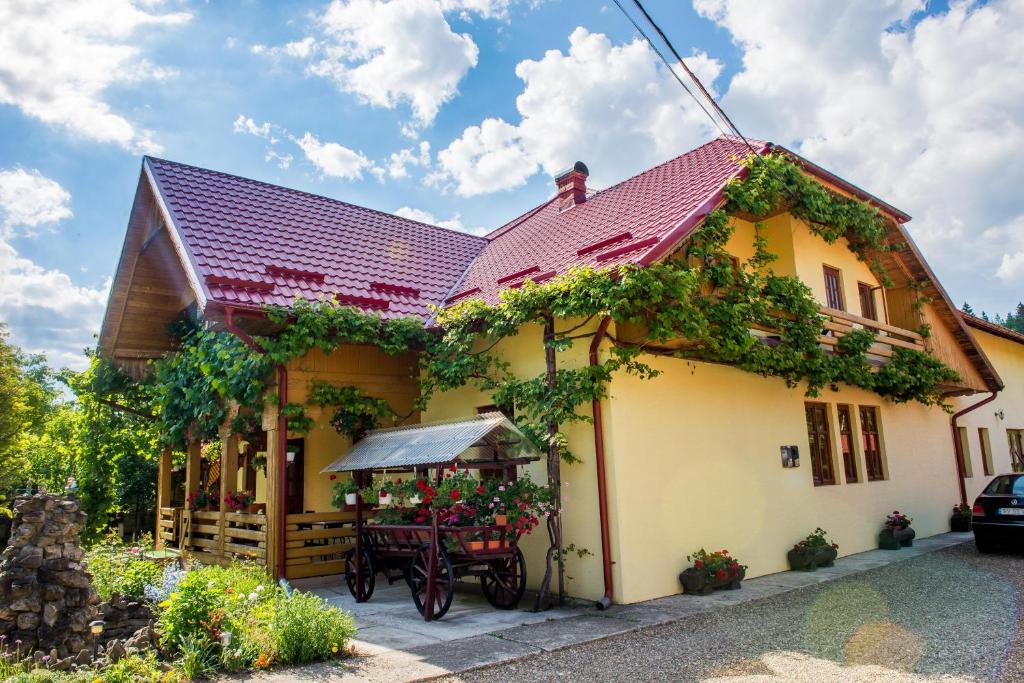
(416, 500)
(385, 500)
(350, 499)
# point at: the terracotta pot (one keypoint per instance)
(256, 508)
(501, 520)
(475, 545)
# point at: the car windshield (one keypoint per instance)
(1011, 485)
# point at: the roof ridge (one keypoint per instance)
(148, 157)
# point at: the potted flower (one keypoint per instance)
(345, 493)
(896, 532)
(385, 492)
(711, 571)
(241, 501)
(199, 500)
(814, 551)
(961, 518)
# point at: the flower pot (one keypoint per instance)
(256, 508)
(801, 560)
(475, 545)
(350, 499)
(887, 539)
(212, 507)
(825, 557)
(501, 520)
(416, 499)
(906, 536)
(959, 523)
(385, 500)
(695, 582)
(732, 583)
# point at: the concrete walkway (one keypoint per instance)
(477, 637)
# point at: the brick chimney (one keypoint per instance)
(572, 186)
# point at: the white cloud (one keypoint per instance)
(283, 161)
(28, 199)
(392, 52)
(245, 124)
(589, 104)
(453, 223)
(332, 159)
(45, 311)
(59, 58)
(399, 162)
(924, 111)
(297, 48)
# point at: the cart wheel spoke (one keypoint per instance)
(444, 588)
(505, 582)
(369, 575)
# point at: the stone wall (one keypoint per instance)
(46, 595)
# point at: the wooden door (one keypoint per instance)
(293, 478)
(821, 444)
(867, 301)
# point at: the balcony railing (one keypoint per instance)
(888, 337)
(213, 539)
(316, 543)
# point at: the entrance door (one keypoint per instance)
(293, 477)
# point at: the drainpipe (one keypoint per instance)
(958, 448)
(282, 431)
(602, 489)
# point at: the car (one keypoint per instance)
(998, 513)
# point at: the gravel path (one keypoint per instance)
(949, 616)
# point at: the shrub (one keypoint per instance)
(718, 565)
(118, 567)
(815, 541)
(305, 628)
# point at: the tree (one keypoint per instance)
(966, 308)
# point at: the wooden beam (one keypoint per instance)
(163, 489)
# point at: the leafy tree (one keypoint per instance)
(966, 308)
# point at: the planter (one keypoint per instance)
(959, 523)
(212, 507)
(385, 501)
(416, 500)
(256, 508)
(475, 545)
(350, 499)
(826, 557)
(501, 520)
(801, 560)
(696, 581)
(894, 539)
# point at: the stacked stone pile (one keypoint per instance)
(46, 597)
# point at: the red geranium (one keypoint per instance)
(455, 495)
(480, 489)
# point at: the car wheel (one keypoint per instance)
(985, 545)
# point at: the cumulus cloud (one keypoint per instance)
(588, 103)
(45, 311)
(332, 159)
(399, 162)
(246, 124)
(453, 223)
(925, 111)
(59, 59)
(28, 199)
(297, 48)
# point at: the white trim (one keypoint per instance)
(202, 299)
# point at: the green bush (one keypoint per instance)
(307, 629)
(118, 567)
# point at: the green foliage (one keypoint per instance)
(356, 412)
(307, 629)
(298, 421)
(118, 567)
(197, 658)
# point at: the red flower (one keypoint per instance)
(455, 495)
(720, 574)
(698, 564)
(480, 489)
(421, 484)
(333, 477)
(454, 468)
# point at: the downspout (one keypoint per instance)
(958, 448)
(282, 431)
(602, 487)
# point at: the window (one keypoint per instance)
(1007, 485)
(821, 444)
(833, 288)
(965, 452)
(872, 443)
(1016, 439)
(846, 444)
(986, 451)
(867, 301)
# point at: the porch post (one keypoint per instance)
(192, 469)
(275, 534)
(228, 476)
(163, 490)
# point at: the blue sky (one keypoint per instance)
(488, 98)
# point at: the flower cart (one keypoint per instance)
(449, 529)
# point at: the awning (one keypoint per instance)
(436, 443)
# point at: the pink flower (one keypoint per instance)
(501, 488)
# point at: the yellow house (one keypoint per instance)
(703, 455)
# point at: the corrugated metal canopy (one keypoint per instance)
(434, 443)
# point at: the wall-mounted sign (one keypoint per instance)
(790, 456)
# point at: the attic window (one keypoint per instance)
(395, 289)
(363, 301)
(296, 273)
(239, 283)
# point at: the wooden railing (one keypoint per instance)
(168, 526)
(212, 538)
(888, 337)
(316, 543)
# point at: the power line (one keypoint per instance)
(668, 64)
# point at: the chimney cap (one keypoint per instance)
(578, 167)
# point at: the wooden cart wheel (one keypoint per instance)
(369, 574)
(444, 581)
(505, 583)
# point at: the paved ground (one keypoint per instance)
(938, 611)
(953, 613)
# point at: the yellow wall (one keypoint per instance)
(1008, 359)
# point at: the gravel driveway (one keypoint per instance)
(950, 615)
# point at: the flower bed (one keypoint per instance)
(711, 571)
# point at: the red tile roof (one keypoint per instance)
(635, 221)
(253, 244)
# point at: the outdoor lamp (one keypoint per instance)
(96, 627)
(290, 455)
(1000, 414)
(225, 639)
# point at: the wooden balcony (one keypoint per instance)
(888, 337)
